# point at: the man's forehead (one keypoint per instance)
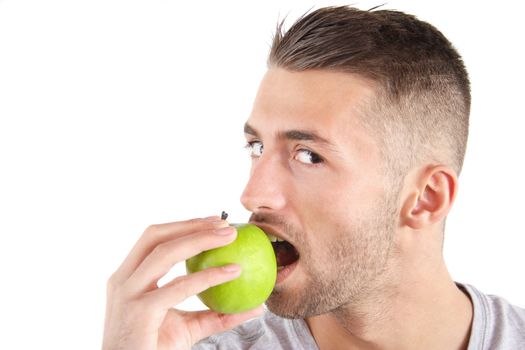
(320, 107)
(313, 87)
(317, 99)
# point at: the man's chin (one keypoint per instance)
(285, 306)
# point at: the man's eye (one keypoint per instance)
(255, 148)
(309, 157)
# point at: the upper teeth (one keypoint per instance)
(274, 239)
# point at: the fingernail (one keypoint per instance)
(225, 231)
(212, 218)
(231, 268)
(220, 224)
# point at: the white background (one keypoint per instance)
(118, 114)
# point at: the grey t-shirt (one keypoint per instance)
(496, 325)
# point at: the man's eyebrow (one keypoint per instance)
(249, 130)
(298, 135)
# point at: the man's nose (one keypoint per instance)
(266, 186)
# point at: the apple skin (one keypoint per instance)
(253, 251)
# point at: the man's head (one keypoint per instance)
(363, 119)
(422, 100)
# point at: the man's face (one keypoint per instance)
(317, 182)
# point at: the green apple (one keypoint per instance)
(253, 251)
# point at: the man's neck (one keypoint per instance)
(428, 312)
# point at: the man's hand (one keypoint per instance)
(140, 315)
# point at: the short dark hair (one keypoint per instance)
(422, 103)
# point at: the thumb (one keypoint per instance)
(202, 324)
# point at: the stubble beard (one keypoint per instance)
(348, 270)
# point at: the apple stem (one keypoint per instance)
(224, 215)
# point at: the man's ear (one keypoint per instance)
(431, 197)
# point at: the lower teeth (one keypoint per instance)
(279, 268)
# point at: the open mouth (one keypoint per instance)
(285, 252)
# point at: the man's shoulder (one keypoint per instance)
(497, 323)
(265, 332)
(498, 306)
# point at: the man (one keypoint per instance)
(357, 137)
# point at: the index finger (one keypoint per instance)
(156, 234)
